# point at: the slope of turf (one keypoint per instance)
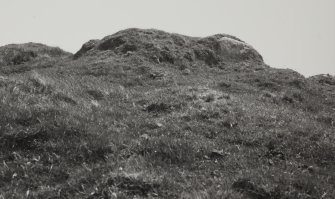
(149, 114)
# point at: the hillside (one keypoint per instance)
(23, 57)
(151, 114)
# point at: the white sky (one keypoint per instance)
(297, 34)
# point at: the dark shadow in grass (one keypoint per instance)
(164, 150)
(23, 141)
(74, 146)
(248, 188)
(267, 84)
(64, 98)
(158, 108)
(97, 95)
(27, 121)
(53, 176)
(132, 186)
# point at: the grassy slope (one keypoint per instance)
(124, 126)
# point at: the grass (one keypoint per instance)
(126, 127)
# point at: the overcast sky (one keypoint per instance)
(296, 34)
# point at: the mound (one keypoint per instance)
(15, 54)
(162, 47)
(149, 114)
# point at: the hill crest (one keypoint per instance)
(161, 47)
(15, 54)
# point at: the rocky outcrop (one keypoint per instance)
(162, 47)
(86, 47)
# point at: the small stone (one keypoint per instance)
(311, 169)
(114, 195)
(217, 153)
(159, 124)
(215, 173)
(186, 71)
(145, 136)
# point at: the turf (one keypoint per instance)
(149, 114)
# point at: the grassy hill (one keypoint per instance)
(150, 114)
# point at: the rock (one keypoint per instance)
(215, 154)
(156, 74)
(159, 125)
(86, 47)
(145, 136)
(186, 71)
(161, 47)
(236, 49)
